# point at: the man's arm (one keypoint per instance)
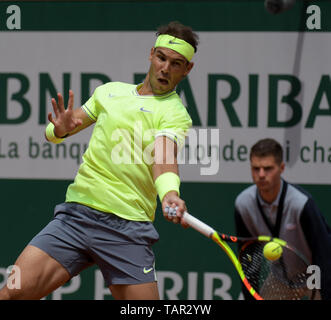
(318, 235)
(165, 162)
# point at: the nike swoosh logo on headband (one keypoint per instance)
(173, 42)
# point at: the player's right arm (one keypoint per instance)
(67, 121)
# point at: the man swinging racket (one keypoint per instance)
(107, 216)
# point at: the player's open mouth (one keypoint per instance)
(163, 81)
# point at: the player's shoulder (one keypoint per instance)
(116, 88)
(173, 103)
(296, 196)
(246, 197)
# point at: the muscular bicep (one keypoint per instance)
(165, 156)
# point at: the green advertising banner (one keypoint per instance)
(256, 75)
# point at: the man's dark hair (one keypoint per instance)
(178, 30)
(267, 147)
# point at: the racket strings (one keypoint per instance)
(282, 279)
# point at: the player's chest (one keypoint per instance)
(126, 112)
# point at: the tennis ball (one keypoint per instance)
(272, 251)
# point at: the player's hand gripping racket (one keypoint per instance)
(269, 268)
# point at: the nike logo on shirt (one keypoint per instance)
(144, 110)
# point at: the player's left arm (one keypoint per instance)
(166, 177)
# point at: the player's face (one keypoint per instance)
(266, 173)
(167, 69)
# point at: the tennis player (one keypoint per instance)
(107, 216)
(272, 206)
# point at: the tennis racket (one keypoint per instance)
(282, 279)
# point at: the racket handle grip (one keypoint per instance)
(198, 225)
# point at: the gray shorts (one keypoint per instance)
(79, 236)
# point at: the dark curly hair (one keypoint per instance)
(178, 30)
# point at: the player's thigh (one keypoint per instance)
(39, 275)
(143, 291)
